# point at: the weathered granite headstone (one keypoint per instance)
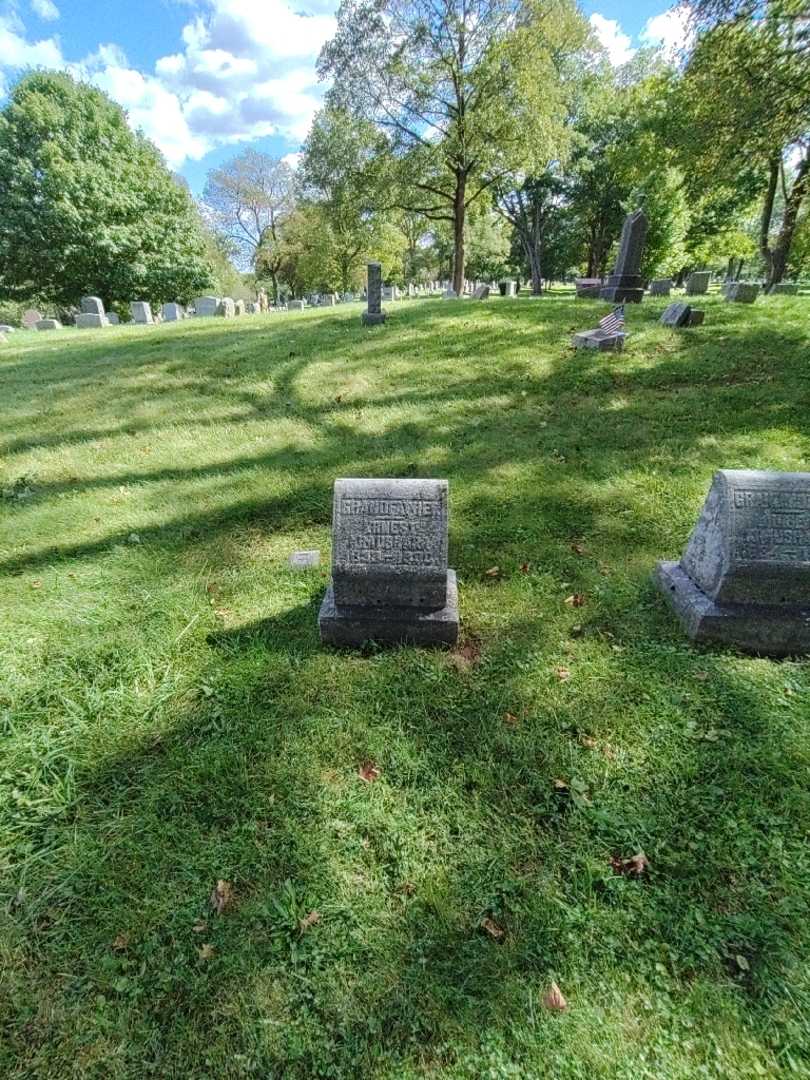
(390, 579)
(262, 300)
(92, 305)
(239, 307)
(113, 319)
(481, 293)
(741, 292)
(89, 321)
(660, 287)
(172, 312)
(698, 282)
(588, 288)
(785, 288)
(449, 294)
(295, 305)
(31, 318)
(206, 306)
(599, 339)
(141, 312)
(507, 288)
(49, 324)
(226, 309)
(676, 314)
(374, 314)
(303, 560)
(744, 576)
(625, 284)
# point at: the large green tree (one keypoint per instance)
(87, 206)
(754, 64)
(344, 170)
(463, 90)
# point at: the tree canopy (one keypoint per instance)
(88, 205)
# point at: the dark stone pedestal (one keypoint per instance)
(752, 628)
(623, 289)
(373, 318)
(354, 626)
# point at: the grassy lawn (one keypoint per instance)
(168, 718)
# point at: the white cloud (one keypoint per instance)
(236, 77)
(612, 39)
(45, 9)
(16, 52)
(670, 31)
(293, 160)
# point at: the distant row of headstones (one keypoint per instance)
(743, 579)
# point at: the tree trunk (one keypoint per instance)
(781, 251)
(459, 211)
(274, 279)
(767, 213)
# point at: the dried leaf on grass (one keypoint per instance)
(308, 921)
(635, 866)
(205, 952)
(553, 999)
(369, 772)
(490, 927)
(575, 600)
(221, 896)
(466, 655)
(562, 673)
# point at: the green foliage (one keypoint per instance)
(346, 171)
(88, 206)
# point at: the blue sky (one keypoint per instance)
(204, 78)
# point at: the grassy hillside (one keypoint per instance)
(168, 718)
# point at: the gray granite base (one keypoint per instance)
(621, 294)
(372, 318)
(751, 628)
(354, 626)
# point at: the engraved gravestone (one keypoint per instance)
(141, 312)
(741, 292)
(744, 576)
(390, 579)
(92, 305)
(698, 282)
(625, 283)
(374, 314)
(677, 314)
(660, 287)
(206, 306)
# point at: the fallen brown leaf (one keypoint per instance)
(588, 742)
(579, 548)
(121, 942)
(490, 927)
(205, 952)
(510, 719)
(560, 785)
(308, 921)
(36, 584)
(493, 571)
(635, 866)
(553, 999)
(576, 600)
(562, 673)
(221, 897)
(200, 926)
(524, 567)
(467, 655)
(369, 772)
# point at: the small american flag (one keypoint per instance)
(614, 322)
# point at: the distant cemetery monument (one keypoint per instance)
(141, 312)
(374, 314)
(390, 579)
(741, 292)
(744, 576)
(698, 282)
(625, 283)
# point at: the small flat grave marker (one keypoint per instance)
(304, 560)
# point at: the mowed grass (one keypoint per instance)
(169, 719)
